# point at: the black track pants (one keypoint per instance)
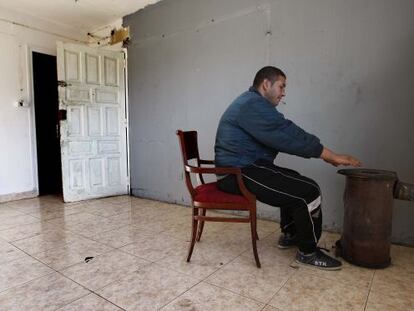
(297, 196)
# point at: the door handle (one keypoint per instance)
(63, 83)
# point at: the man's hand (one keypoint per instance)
(339, 159)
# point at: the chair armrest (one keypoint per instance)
(212, 170)
(206, 161)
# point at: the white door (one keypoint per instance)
(93, 132)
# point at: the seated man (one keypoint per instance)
(250, 134)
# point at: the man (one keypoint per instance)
(250, 134)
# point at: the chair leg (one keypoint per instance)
(254, 236)
(193, 234)
(201, 225)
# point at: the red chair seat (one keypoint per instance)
(209, 193)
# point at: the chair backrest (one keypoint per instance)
(189, 151)
(189, 145)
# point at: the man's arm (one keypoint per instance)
(268, 126)
(338, 159)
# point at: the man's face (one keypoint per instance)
(276, 91)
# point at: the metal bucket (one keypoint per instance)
(368, 204)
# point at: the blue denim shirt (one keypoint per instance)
(252, 129)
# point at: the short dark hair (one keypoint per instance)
(270, 73)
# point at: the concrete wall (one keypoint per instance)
(19, 35)
(350, 70)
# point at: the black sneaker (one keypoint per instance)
(319, 260)
(287, 240)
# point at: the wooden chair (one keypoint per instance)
(207, 196)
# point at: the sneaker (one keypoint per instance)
(319, 260)
(287, 240)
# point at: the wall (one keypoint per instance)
(350, 76)
(19, 35)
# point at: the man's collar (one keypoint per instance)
(253, 89)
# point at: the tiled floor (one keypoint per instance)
(139, 248)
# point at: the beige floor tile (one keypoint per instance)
(213, 231)
(242, 277)
(235, 232)
(161, 225)
(8, 252)
(19, 271)
(181, 232)
(30, 230)
(95, 227)
(117, 199)
(8, 212)
(207, 258)
(43, 242)
(139, 217)
(139, 202)
(69, 221)
(17, 220)
(159, 208)
(53, 212)
(122, 236)
(271, 241)
(306, 292)
(185, 210)
(158, 223)
(152, 247)
(72, 253)
(27, 206)
(46, 293)
(268, 226)
(90, 302)
(99, 204)
(270, 308)
(349, 274)
(394, 279)
(402, 256)
(107, 209)
(269, 253)
(212, 227)
(207, 297)
(392, 301)
(77, 207)
(147, 289)
(104, 269)
(164, 209)
(124, 217)
(47, 206)
(239, 233)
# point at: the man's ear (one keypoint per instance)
(266, 84)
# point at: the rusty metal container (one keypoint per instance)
(368, 205)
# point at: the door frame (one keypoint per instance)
(28, 51)
(128, 170)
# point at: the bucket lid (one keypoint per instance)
(366, 173)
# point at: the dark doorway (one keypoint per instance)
(47, 130)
